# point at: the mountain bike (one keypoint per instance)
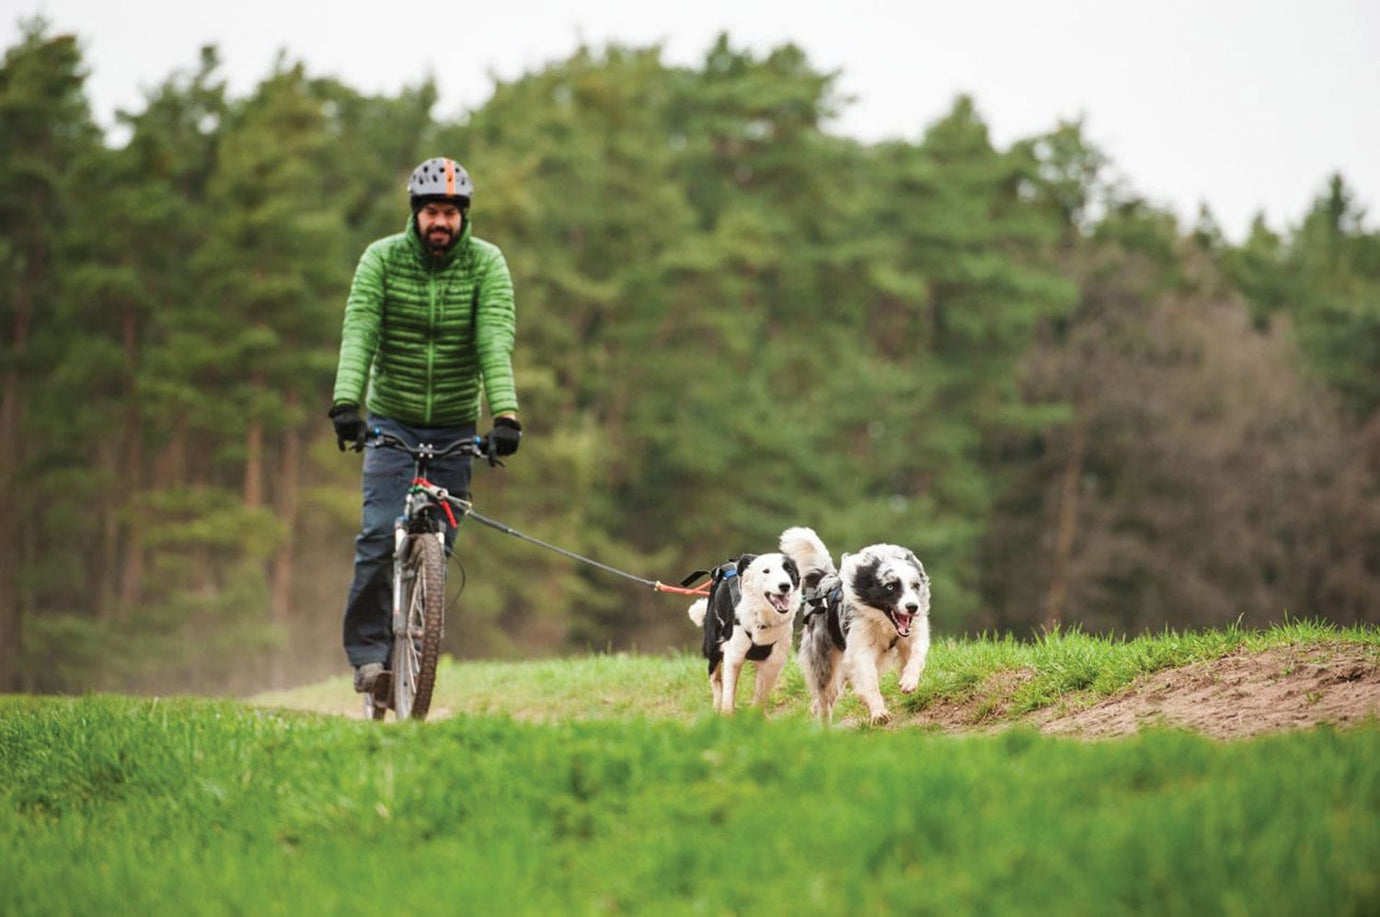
(419, 578)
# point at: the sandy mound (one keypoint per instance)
(1242, 694)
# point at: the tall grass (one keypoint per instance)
(147, 806)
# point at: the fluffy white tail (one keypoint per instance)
(697, 611)
(803, 546)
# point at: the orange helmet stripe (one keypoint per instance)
(450, 178)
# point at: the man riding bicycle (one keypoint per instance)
(429, 326)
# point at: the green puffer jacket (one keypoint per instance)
(424, 336)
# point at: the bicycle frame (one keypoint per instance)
(419, 521)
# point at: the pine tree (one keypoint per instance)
(45, 132)
(262, 334)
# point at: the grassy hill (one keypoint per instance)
(602, 785)
(1297, 674)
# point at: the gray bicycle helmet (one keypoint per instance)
(440, 179)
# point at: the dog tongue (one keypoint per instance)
(903, 623)
(778, 602)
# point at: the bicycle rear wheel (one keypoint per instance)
(417, 647)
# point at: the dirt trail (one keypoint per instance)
(1240, 695)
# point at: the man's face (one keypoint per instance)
(439, 226)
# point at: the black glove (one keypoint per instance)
(505, 436)
(349, 427)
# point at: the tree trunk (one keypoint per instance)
(286, 493)
(105, 567)
(11, 414)
(132, 570)
(10, 635)
(172, 468)
(1066, 522)
(254, 465)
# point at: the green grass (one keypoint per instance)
(190, 806)
(603, 785)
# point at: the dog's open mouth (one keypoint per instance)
(902, 620)
(781, 601)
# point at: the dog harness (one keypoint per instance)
(828, 602)
(758, 651)
(727, 572)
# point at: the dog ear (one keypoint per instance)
(744, 560)
(792, 570)
(911, 558)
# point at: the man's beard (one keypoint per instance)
(439, 240)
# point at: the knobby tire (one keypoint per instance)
(417, 650)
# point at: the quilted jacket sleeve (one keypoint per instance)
(496, 331)
(359, 338)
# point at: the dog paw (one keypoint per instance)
(908, 685)
(879, 718)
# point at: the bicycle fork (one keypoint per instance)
(399, 573)
(403, 575)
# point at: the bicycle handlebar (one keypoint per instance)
(475, 446)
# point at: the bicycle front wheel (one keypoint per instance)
(417, 647)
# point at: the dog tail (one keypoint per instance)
(698, 610)
(803, 546)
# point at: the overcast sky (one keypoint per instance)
(1247, 105)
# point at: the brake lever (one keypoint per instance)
(486, 449)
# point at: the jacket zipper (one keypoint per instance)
(431, 343)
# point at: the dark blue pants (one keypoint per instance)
(387, 476)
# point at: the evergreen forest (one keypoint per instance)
(1078, 411)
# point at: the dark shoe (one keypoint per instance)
(367, 677)
(383, 689)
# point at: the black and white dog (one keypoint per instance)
(862, 618)
(748, 616)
